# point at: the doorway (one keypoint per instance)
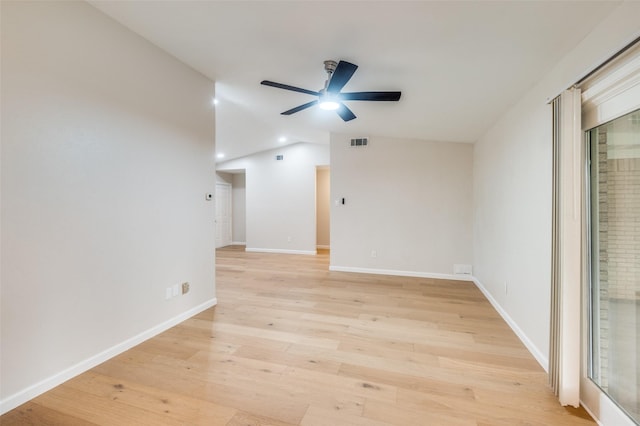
(223, 215)
(323, 207)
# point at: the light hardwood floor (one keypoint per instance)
(291, 343)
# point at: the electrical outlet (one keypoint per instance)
(288, 239)
(168, 293)
(175, 290)
(374, 253)
(506, 288)
(461, 269)
(185, 288)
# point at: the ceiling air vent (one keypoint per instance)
(279, 157)
(359, 142)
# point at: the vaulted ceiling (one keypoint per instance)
(459, 64)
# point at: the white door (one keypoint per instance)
(223, 214)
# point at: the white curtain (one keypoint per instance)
(568, 167)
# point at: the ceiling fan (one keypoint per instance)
(330, 97)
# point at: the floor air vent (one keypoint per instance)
(359, 142)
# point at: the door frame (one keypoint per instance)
(611, 93)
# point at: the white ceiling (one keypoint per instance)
(459, 65)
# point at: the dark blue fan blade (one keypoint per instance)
(287, 87)
(345, 113)
(370, 96)
(341, 76)
(299, 108)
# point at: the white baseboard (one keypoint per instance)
(401, 273)
(281, 251)
(320, 246)
(238, 243)
(542, 358)
(33, 391)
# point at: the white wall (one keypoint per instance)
(408, 200)
(239, 208)
(280, 197)
(512, 218)
(512, 188)
(107, 152)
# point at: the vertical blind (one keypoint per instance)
(554, 355)
(566, 277)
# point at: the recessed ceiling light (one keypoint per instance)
(282, 139)
(220, 155)
(215, 101)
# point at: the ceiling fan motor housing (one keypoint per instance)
(330, 66)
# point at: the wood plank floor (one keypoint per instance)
(291, 343)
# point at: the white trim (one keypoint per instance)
(238, 243)
(280, 251)
(39, 388)
(320, 246)
(542, 359)
(602, 61)
(609, 109)
(401, 273)
(612, 92)
(593, 416)
(600, 406)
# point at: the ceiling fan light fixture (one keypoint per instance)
(328, 102)
(329, 105)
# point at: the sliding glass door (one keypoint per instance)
(614, 293)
